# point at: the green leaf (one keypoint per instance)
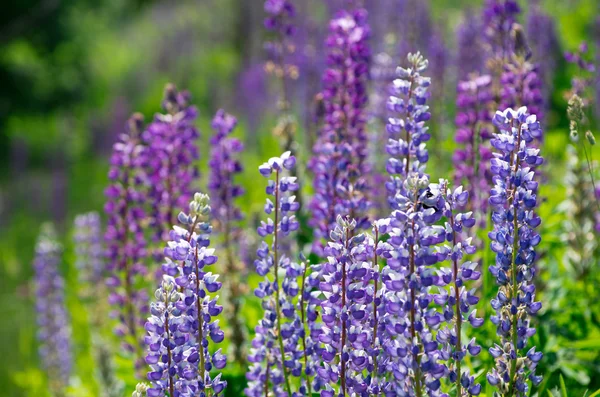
(563, 388)
(595, 394)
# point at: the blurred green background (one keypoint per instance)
(72, 71)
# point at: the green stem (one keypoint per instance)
(591, 172)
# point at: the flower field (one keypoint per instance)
(286, 198)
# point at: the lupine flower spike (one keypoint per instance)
(88, 249)
(276, 354)
(54, 332)
(410, 353)
(474, 130)
(347, 312)
(182, 325)
(224, 166)
(339, 160)
(457, 301)
(513, 238)
(171, 153)
(125, 239)
(407, 130)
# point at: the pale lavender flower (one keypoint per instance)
(54, 332)
(514, 239)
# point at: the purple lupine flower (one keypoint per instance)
(89, 249)
(339, 160)
(275, 353)
(513, 239)
(437, 54)
(54, 332)
(253, 95)
(188, 327)
(470, 57)
(410, 352)
(224, 166)
(347, 312)
(166, 344)
(541, 32)
(279, 21)
(499, 17)
(309, 304)
(522, 86)
(171, 153)
(473, 153)
(457, 301)
(124, 236)
(407, 131)
(414, 26)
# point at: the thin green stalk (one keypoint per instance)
(591, 172)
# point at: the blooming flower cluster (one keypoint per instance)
(279, 20)
(384, 313)
(513, 239)
(473, 121)
(276, 353)
(458, 300)
(182, 324)
(347, 297)
(54, 332)
(470, 47)
(339, 156)
(499, 17)
(224, 166)
(124, 236)
(412, 353)
(522, 86)
(407, 131)
(171, 152)
(89, 250)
